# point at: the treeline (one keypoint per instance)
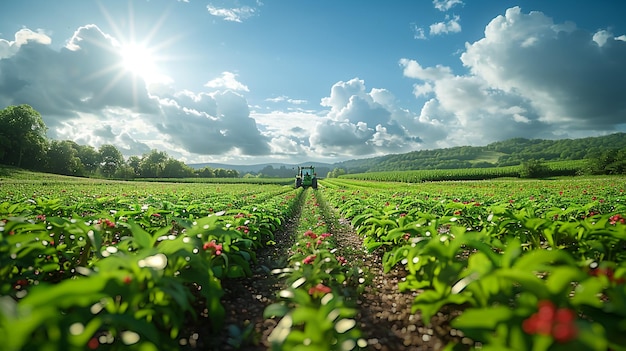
(511, 152)
(23, 143)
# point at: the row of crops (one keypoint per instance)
(532, 265)
(557, 168)
(119, 266)
(317, 307)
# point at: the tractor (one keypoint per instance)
(306, 177)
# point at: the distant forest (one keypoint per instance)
(498, 154)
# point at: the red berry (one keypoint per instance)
(547, 310)
(93, 343)
(564, 332)
(564, 315)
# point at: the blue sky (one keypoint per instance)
(246, 81)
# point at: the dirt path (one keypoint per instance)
(385, 316)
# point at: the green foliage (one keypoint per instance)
(63, 158)
(559, 168)
(22, 137)
(336, 172)
(113, 265)
(499, 154)
(534, 169)
(611, 161)
(500, 252)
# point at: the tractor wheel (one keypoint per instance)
(314, 183)
(298, 182)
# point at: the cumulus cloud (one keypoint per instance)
(527, 77)
(23, 36)
(84, 94)
(358, 122)
(567, 74)
(224, 127)
(227, 80)
(84, 76)
(365, 123)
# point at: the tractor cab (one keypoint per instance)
(306, 177)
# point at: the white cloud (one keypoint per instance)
(561, 74)
(358, 122)
(84, 94)
(450, 25)
(22, 37)
(227, 80)
(234, 14)
(601, 37)
(527, 77)
(226, 128)
(287, 99)
(418, 32)
(365, 123)
(413, 69)
(445, 5)
(61, 84)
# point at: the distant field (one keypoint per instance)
(488, 156)
(278, 181)
(16, 175)
(557, 168)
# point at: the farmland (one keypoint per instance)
(493, 265)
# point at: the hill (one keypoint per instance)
(498, 154)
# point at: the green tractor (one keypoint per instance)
(306, 177)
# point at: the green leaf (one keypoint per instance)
(142, 238)
(526, 279)
(483, 318)
(278, 309)
(560, 279)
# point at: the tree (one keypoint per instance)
(111, 160)
(153, 163)
(89, 157)
(135, 163)
(176, 169)
(534, 169)
(205, 172)
(611, 161)
(336, 172)
(62, 158)
(23, 139)
(221, 173)
(125, 172)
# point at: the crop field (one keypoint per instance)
(556, 168)
(104, 265)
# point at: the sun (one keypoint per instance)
(140, 60)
